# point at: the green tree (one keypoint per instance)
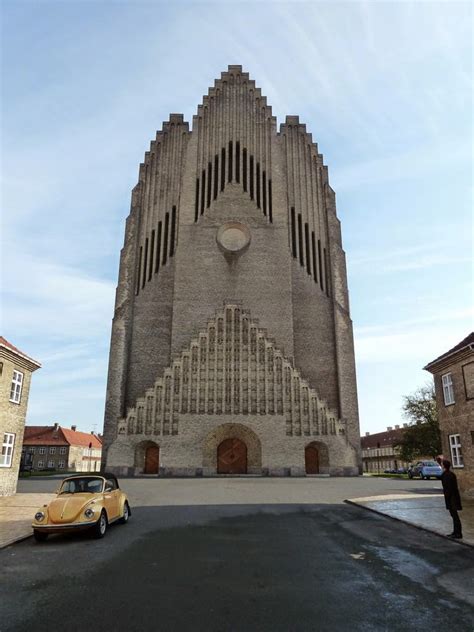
(422, 437)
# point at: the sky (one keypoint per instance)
(386, 90)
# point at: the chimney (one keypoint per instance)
(56, 426)
(73, 428)
(367, 434)
(397, 427)
(389, 428)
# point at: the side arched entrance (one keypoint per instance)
(147, 457)
(232, 457)
(316, 458)
(311, 459)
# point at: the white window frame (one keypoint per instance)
(51, 464)
(32, 449)
(448, 389)
(63, 450)
(8, 444)
(61, 464)
(40, 465)
(52, 449)
(16, 387)
(42, 450)
(456, 450)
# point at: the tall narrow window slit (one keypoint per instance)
(244, 169)
(237, 161)
(158, 248)
(313, 252)
(139, 272)
(293, 233)
(165, 238)
(145, 263)
(270, 202)
(196, 201)
(231, 155)
(300, 239)
(209, 183)
(152, 253)
(258, 184)
(203, 191)
(308, 252)
(223, 169)
(251, 177)
(173, 231)
(320, 265)
(264, 192)
(216, 174)
(326, 271)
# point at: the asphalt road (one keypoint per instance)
(241, 567)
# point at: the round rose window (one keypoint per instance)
(233, 237)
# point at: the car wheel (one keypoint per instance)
(126, 514)
(39, 536)
(100, 526)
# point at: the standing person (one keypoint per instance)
(452, 498)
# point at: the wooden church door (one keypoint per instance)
(232, 457)
(152, 459)
(311, 458)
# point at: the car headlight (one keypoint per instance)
(89, 512)
(39, 516)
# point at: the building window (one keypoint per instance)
(52, 450)
(51, 464)
(42, 451)
(61, 465)
(32, 449)
(456, 453)
(40, 465)
(448, 390)
(7, 449)
(17, 383)
(62, 450)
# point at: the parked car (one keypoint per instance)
(84, 501)
(425, 470)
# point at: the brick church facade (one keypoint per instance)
(232, 346)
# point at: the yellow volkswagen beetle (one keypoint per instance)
(84, 501)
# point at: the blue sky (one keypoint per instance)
(385, 89)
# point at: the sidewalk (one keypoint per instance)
(424, 511)
(16, 516)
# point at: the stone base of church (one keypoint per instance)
(266, 449)
(122, 471)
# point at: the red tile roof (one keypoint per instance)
(48, 435)
(385, 439)
(468, 341)
(8, 345)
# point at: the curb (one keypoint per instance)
(410, 524)
(20, 538)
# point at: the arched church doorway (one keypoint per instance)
(232, 457)
(152, 459)
(311, 459)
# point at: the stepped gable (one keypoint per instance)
(231, 368)
(234, 126)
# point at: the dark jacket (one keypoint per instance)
(450, 490)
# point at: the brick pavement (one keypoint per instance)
(16, 515)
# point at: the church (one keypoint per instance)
(232, 347)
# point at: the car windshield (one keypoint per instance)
(87, 485)
(430, 464)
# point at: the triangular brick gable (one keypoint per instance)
(231, 368)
